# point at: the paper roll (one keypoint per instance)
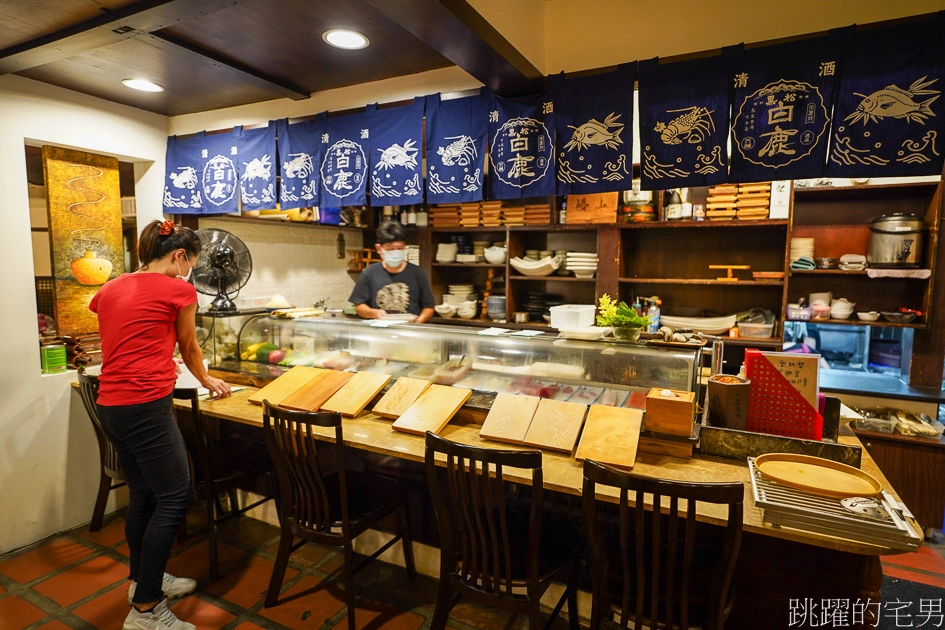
(307, 214)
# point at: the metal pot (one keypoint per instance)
(896, 241)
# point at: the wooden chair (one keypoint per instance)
(650, 568)
(221, 467)
(486, 548)
(111, 474)
(324, 503)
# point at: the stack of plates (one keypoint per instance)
(563, 255)
(478, 247)
(584, 265)
(841, 309)
(459, 293)
(802, 247)
(446, 252)
(413, 254)
(495, 307)
(539, 304)
(820, 298)
(532, 254)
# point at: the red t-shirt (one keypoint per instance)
(137, 317)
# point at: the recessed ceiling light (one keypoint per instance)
(143, 85)
(342, 38)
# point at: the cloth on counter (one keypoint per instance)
(922, 274)
(803, 263)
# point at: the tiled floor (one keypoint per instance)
(78, 580)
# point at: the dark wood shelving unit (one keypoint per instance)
(285, 222)
(551, 278)
(842, 272)
(753, 223)
(854, 321)
(704, 281)
(470, 265)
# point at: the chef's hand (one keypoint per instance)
(218, 388)
(380, 313)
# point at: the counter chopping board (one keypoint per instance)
(556, 425)
(433, 410)
(611, 436)
(286, 385)
(354, 395)
(312, 396)
(509, 418)
(403, 393)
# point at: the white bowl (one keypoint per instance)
(495, 255)
(584, 273)
(708, 325)
(444, 310)
(543, 267)
(870, 316)
(835, 315)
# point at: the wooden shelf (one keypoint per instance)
(743, 223)
(866, 188)
(775, 342)
(551, 278)
(488, 323)
(473, 265)
(258, 221)
(579, 227)
(704, 281)
(458, 228)
(856, 322)
(842, 272)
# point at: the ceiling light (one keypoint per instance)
(349, 40)
(143, 85)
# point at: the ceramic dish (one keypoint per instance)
(707, 325)
(871, 316)
(445, 310)
(898, 318)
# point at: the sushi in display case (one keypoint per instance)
(600, 372)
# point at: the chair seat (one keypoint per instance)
(237, 460)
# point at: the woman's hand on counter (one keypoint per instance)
(218, 388)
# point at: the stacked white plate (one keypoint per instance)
(820, 298)
(802, 247)
(413, 254)
(446, 252)
(583, 265)
(707, 325)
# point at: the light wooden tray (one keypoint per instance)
(817, 475)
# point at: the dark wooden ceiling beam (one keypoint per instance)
(108, 28)
(457, 31)
(231, 67)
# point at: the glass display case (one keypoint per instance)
(218, 334)
(607, 372)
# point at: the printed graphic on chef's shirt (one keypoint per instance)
(395, 174)
(393, 297)
(344, 168)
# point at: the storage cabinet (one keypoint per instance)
(915, 467)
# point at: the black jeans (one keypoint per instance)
(154, 460)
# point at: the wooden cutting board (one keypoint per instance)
(556, 425)
(509, 418)
(403, 393)
(432, 410)
(354, 395)
(312, 396)
(286, 385)
(611, 436)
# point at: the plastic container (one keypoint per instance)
(881, 425)
(798, 313)
(571, 316)
(755, 330)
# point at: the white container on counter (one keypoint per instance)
(571, 316)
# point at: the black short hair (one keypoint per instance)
(388, 232)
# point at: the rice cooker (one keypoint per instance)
(896, 241)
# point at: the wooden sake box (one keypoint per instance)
(670, 415)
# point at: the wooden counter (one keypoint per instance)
(562, 473)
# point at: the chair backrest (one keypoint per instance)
(305, 496)
(88, 390)
(472, 511)
(661, 568)
(198, 442)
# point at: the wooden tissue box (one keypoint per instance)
(670, 415)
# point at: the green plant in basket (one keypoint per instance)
(618, 315)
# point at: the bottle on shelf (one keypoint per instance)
(403, 215)
(653, 311)
(674, 205)
(411, 216)
(637, 306)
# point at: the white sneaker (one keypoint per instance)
(159, 618)
(173, 587)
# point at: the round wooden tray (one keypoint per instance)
(817, 475)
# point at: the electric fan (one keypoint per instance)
(223, 268)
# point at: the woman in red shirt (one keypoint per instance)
(141, 316)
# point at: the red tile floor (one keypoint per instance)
(78, 580)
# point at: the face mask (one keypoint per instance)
(394, 257)
(187, 277)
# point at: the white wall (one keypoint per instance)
(48, 455)
(297, 261)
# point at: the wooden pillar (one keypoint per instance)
(928, 346)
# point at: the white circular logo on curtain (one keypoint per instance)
(219, 180)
